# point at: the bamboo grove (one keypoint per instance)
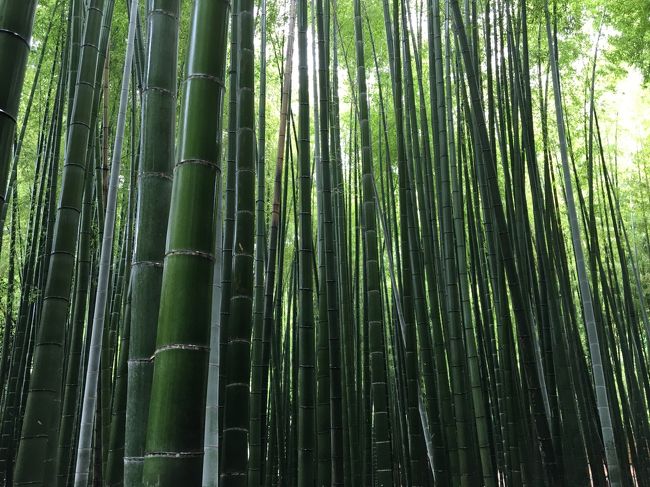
(316, 242)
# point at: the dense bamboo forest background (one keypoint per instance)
(324, 242)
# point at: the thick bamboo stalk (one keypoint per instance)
(154, 192)
(174, 447)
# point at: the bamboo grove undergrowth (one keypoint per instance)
(299, 243)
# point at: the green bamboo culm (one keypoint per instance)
(306, 332)
(331, 387)
(174, 446)
(258, 378)
(152, 213)
(234, 464)
(381, 440)
(40, 424)
(211, 437)
(16, 23)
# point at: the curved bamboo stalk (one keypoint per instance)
(237, 358)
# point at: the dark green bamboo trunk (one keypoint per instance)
(306, 331)
(258, 377)
(154, 192)
(382, 451)
(174, 446)
(237, 353)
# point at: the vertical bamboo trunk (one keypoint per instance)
(237, 357)
(258, 377)
(174, 446)
(152, 213)
(306, 332)
(230, 203)
(381, 436)
(330, 258)
(212, 416)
